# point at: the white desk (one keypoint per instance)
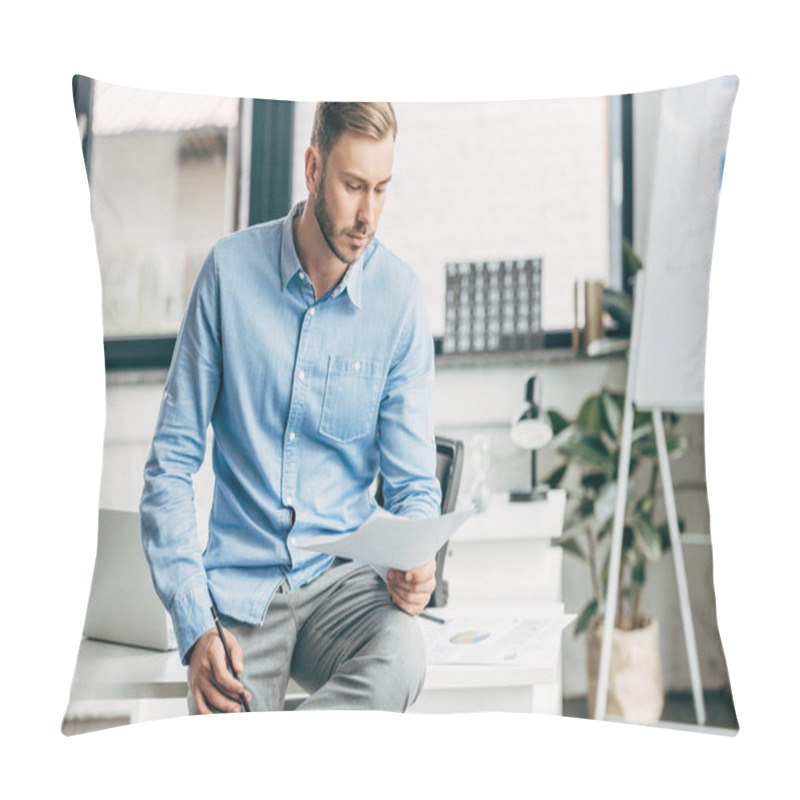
(117, 673)
(502, 559)
(506, 553)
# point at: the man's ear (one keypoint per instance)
(313, 169)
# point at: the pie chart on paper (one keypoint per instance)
(469, 637)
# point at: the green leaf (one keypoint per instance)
(557, 421)
(632, 462)
(631, 262)
(611, 415)
(628, 538)
(663, 532)
(677, 445)
(646, 504)
(553, 480)
(604, 505)
(590, 417)
(647, 537)
(646, 447)
(586, 508)
(594, 480)
(565, 435)
(639, 432)
(586, 449)
(585, 618)
(619, 307)
(642, 418)
(639, 574)
(570, 546)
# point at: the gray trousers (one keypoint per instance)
(341, 638)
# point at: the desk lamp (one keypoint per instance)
(531, 430)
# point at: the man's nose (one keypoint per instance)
(367, 210)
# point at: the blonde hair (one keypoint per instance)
(331, 120)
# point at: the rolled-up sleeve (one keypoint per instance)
(406, 433)
(168, 522)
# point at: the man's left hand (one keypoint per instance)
(411, 589)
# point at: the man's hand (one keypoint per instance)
(412, 589)
(213, 686)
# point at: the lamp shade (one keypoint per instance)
(531, 429)
(530, 433)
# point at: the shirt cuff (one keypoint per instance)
(191, 618)
(419, 511)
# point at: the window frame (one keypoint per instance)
(269, 175)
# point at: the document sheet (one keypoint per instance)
(477, 638)
(386, 540)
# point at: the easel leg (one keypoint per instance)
(680, 569)
(609, 612)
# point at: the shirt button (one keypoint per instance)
(302, 375)
(288, 501)
(357, 365)
(302, 276)
(312, 311)
(291, 436)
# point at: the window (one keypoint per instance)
(164, 187)
(473, 182)
(490, 181)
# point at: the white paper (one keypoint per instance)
(386, 540)
(491, 639)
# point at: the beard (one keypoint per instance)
(330, 233)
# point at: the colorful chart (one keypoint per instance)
(469, 637)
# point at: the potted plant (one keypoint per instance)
(618, 304)
(590, 445)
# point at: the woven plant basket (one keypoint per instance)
(635, 687)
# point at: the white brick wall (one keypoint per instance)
(495, 180)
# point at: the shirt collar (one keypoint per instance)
(351, 282)
(290, 262)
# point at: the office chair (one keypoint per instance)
(449, 461)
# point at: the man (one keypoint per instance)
(305, 345)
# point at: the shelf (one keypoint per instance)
(504, 521)
(559, 355)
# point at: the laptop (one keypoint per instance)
(123, 605)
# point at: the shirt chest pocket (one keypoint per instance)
(352, 391)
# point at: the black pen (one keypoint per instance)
(245, 704)
(425, 615)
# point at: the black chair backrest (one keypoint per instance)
(449, 462)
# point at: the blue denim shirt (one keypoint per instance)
(308, 399)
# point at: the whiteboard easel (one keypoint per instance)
(666, 366)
